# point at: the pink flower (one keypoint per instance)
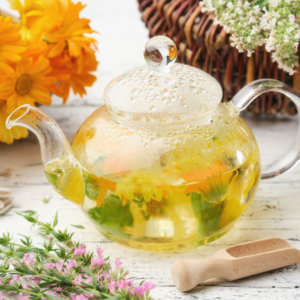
(100, 251)
(118, 263)
(50, 265)
(78, 279)
(80, 250)
(148, 286)
(27, 259)
(128, 282)
(112, 286)
(35, 279)
(60, 265)
(122, 284)
(89, 279)
(98, 261)
(16, 277)
(57, 294)
(78, 297)
(23, 297)
(100, 275)
(140, 290)
(72, 264)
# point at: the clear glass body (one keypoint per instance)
(162, 188)
(158, 186)
(163, 166)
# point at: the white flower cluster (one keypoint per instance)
(277, 26)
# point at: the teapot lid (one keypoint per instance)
(162, 92)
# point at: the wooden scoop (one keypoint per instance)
(235, 262)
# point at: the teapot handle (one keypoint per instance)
(251, 91)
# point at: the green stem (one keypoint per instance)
(28, 292)
(45, 253)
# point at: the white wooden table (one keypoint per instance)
(121, 41)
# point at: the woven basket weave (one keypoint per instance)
(204, 45)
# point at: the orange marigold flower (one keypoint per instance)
(73, 72)
(28, 84)
(30, 12)
(11, 44)
(8, 136)
(62, 27)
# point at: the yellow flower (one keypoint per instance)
(28, 84)
(73, 72)
(11, 44)
(139, 187)
(30, 11)
(62, 27)
(8, 136)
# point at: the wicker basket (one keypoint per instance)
(206, 46)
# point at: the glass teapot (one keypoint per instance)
(163, 165)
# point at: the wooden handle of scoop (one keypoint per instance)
(186, 273)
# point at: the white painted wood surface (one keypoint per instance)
(121, 41)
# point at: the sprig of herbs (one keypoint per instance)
(61, 269)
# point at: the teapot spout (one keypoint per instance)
(61, 167)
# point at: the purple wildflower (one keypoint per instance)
(140, 290)
(98, 261)
(50, 265)
(122, 284)
(60, 265)
(80, 250)
(89, 279)
(23, 297)
(112, 286)
(72, 264)
(78, 297)
(27, 259)
(78, 279)
(100, 251)
(148, 286)
(118, 263)
(128, 282)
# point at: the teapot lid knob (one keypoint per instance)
(160, 53)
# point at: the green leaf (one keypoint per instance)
(112, 216)
(208, 214)
(58, 236)
(73, 290)
(55, 220)
(3, 241)
(89, 272)
(47, 296)
(25, 271)
(78, 226)
(60, 277)
(46, 200)
(10, 288)
(30, 212)
(28, 218)
(52, 178)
